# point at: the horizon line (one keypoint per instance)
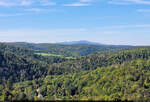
(71, 44)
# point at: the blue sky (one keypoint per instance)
(125, 22)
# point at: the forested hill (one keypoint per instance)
(119, 75)
(69, 50)
(80, 42)
(31, 66)
(17, 50)
(93, 61)
(18, 64)
(128, 82)
(28, 53)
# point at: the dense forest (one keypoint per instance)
(69, 50)
(93, 72)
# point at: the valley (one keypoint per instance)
(107, 73)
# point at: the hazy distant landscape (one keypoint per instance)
(75, 50)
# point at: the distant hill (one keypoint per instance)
(78, 48)
(80, 42)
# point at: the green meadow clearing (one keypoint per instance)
(55, 55)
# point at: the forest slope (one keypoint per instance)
(121, 75)
(23, 64)
(130, 81)
(18, 64)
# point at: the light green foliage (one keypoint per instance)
(55, 55)
(47, 54)
(122, 75)
(130, 81)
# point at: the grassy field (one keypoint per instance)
(48, 54)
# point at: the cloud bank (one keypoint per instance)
(9, 3)
(127, 2)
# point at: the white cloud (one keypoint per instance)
(4, 3)
(39, 10)
(80, 3)
(10, 15)
(35, 10)
(140, 1)
(15, 2)
(85, 0)
(47, 3)
(77, 4)
(125, 2)
(118, 3)
(144, 10)
(129, 26)
(29, 11)
(26, 2)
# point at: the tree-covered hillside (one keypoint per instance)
(18, 64)
(119, 75)
(93, 61)
(130, 81)
(69, 50)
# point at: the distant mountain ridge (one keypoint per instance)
(77, 48)
(79, 42)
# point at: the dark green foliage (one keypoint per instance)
(130, 81)
(20, 64)
(93, 61)
(121, 75)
